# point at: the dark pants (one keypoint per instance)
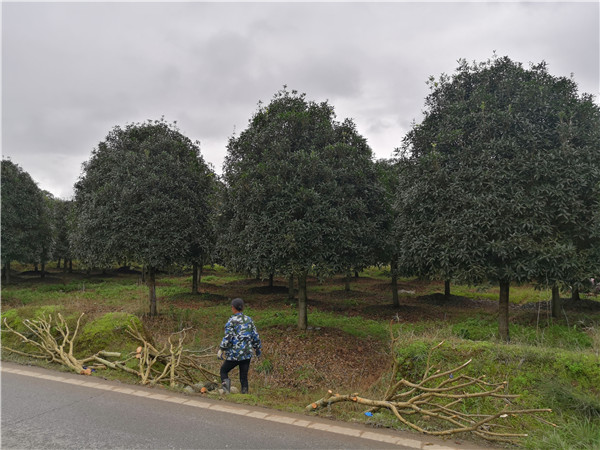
(244, 366)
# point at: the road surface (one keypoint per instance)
(43, 409)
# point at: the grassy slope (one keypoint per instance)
(550, 362)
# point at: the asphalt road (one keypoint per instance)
(71, 411)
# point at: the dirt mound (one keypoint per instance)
(322, 358)
(266, 290)
(34, 273)
(454, 301)
(128, 270)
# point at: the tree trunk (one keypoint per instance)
(35, 268)
(43, 274)
(58, 263)
(394, 270)
(356, 275)
(70, 266)
(271, 280)
(575, 295)
(291, 293)
(143, 273)
(194, 278)
(447, 288)
(7, 272)
(347, 281)
(503, 311)
(302, 299)
(152, 290)
(556, 302)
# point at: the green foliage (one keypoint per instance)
(63, 219)
(564, 397)
(565, 381)
(475, 329)
(549, 335)
(302, 192)
(26, 228)
(108, 332)
(145, 196)
(501, 179)
(263, 365)
(578, 434)
(13, 319)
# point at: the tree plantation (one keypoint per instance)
(500, 182)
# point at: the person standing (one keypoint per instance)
(237, 344)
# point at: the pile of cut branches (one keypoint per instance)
(54, 341)
(440, 397)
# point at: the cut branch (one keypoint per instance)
(436, 397)
(171, 363)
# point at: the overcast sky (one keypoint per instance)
(72, 71)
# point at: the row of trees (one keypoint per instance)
(500, 181)
(34, 223)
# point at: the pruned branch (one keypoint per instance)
(437, 396)
(171, 363)
(48, 345)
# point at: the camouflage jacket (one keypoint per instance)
(240, 338)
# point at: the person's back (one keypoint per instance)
(236, 347)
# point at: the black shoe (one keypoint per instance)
(244, 390)
(226, 384)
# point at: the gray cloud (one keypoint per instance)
(72, 71)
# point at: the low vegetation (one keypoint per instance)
(551, 363)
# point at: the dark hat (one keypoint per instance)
(238, 304)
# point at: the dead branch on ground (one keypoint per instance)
(440, 396)
(55, 349)
(171, 363)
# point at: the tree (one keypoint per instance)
(301, 188)
(47, 233)
(63, 212)
(388, 248)
(144, 196)
(24, 228)
(496, 182)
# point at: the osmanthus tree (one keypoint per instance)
(62, 219)
(499, 177)
(47, 236)
(300, 194)
(388, 248)
(143, 196)
(25, 230)
(577, 185)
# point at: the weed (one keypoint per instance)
(264, 366)
(581, 434)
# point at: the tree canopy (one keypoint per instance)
(26, 233)
(500, 178)
(302, 192)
